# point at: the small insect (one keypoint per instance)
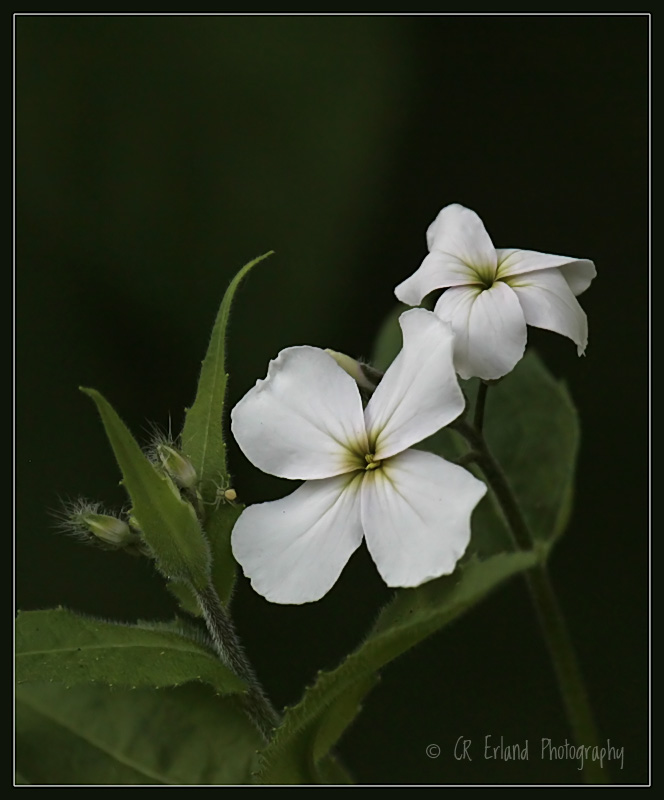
(224, 494)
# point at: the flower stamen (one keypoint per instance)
(371, 464)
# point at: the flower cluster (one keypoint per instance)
(362, 478)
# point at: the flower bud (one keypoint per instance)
(88, 522)
(366, 377)
(177, 466)
(110, 530)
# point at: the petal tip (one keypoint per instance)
(407, 294)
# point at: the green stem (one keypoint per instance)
(480, 403)
(498, 482)
(256, 703)
(230, 651)
(552, 621)
(466, 459)
(570, 680)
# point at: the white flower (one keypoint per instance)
(492, 294)
(305, 421)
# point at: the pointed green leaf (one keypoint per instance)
(312, 727)
(94, 735)
(218, 528)
(58, 645)
(185, 596)
(168, 522)
(202, 434)
(300, 752)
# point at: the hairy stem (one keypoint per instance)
(230, 651)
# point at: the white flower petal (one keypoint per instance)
(293, 549)
(304, 420)
(460, 232)
(416, 515)
(489, 329)
(579, 275)
(419, 393)
(461, 254)
(437, 271)
(578, 272)
(547, 302)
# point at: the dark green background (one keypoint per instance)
(156, 155)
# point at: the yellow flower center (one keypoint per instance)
(371, 463)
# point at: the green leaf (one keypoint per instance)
(312, 727)
(300, 752)
(58, 645)
(532, 428)
(202, 434)
(168, 522)
(94, 735)
(185, 596)
(218, 528)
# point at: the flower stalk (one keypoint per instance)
(551, 618)
(480, 404)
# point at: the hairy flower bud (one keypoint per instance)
(178, 466)
(366, 377)
(110, 530)
(89, 522)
